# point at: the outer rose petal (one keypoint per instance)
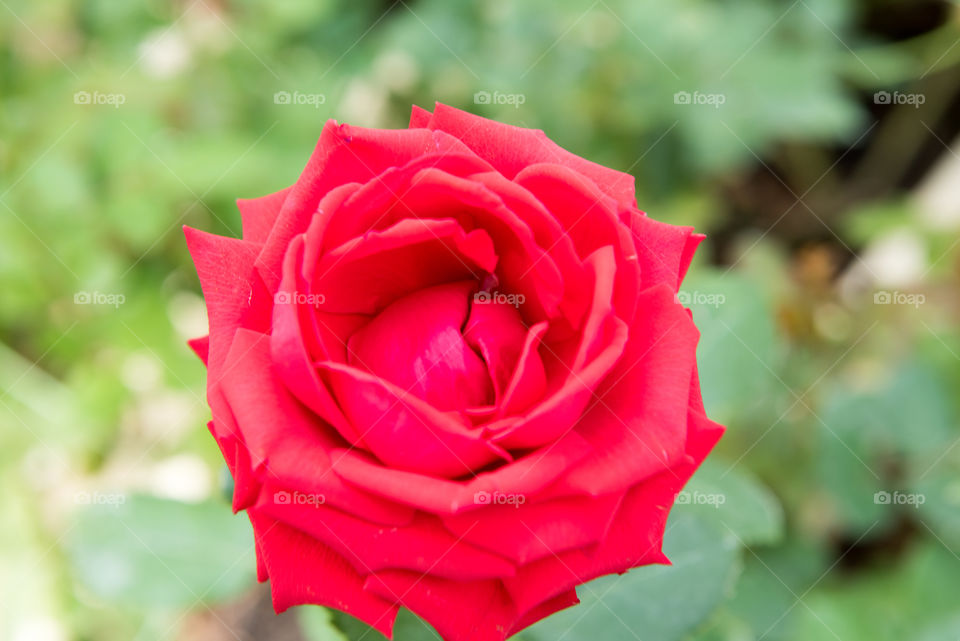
(423, 545)
(200, 347)
(664, 251)
(459, 610)
(234, 295)
(304, 571)
(259, 215)
(545, 609)
(419, 117)
(634, 539)
(510, 149)
(530, 531)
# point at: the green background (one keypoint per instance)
(822, 199)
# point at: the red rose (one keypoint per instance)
(448, 371)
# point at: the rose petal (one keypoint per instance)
(495, 330)
(529, 380)
(416, 344)
(524, 269)
(259, 214)
(458, 610)
(437, 192)
(297, 455)
(510, 149)
(590, 219)
(304, 571)
(635, 537)
(664, 251)
(200, 347)
(344, 154)
(419, 117)
(545, 609)
(294, 348)
(638, 424)
(576, 366)
(234, 295)
(405, 432)
(423, 545)
(529, 475)
(524, 532)
(370, 272)
(549, 235)
(382, 202)
(560, 411)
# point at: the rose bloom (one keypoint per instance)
(448, 371)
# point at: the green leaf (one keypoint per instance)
(876, 420)
(738, 352)
(151, 553)
(735, 501)
(947, 630)
(764, 603)
(939, 507)
(921, 587)
(317, 624)
(655, 602)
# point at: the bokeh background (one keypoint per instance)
(816, 143)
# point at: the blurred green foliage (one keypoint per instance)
(120, 122)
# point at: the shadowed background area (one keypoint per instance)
(815, 142)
